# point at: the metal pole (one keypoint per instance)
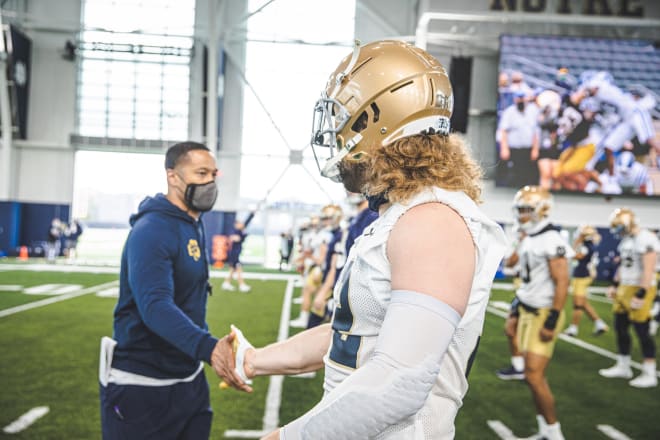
(212, 80)
(5, 117)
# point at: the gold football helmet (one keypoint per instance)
(382, 92)
(589, 233)
(531, 204)
(332, 214)
(623, 222)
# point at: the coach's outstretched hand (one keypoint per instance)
(222, 361)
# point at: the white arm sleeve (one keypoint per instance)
(394, 384)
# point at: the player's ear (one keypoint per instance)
(171, 176)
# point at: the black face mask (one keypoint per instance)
(520, 105)
(200, 196)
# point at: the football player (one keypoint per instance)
(543, 256)
(583, 275)
(515, 371)
(635, 117)
(412, 296)
(633, 291)
(332, 216)
(236, 239)
(315, 251)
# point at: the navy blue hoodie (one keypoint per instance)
(160, 318)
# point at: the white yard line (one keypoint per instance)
(577, 342)
(68, 268)
(47, 301)
(26, 420)
(612, 432)
(501, 430)
(271, 417)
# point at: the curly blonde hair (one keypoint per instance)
(406, 166)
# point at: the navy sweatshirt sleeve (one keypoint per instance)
(150, 258)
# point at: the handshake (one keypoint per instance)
(228, 360)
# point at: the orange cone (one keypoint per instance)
(23, 253)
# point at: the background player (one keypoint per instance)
(543, 256)
(633, 292)
(583, 275)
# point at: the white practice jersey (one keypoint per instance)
(538, 288)
(631, 251)
(362, 295)
(322, 237)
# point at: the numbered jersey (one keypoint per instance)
(362, 295)
(538, 288)
(587, 263)
(631, 250)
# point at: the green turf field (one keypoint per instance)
(50, 358)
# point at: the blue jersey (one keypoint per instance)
(581, 270)
(334, 247)
(236, 246)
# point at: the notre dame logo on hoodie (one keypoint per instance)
(193, 249)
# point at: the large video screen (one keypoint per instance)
(579, 115)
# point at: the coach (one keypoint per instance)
(152, 377)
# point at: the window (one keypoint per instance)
(292, 48)
(135, 69)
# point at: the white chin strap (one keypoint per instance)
(331, 167)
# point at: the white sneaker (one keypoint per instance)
(571, 330)
(227, 286)
(297, 300)
(600, 327)
(244, 288)
(241, 345)
(644, 380)
(299, 323)
(618, 370)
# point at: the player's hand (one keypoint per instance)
(636, 303)
(275, 435)
(546, 335)
(505, 154)
(611, 292)
(222, 361)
